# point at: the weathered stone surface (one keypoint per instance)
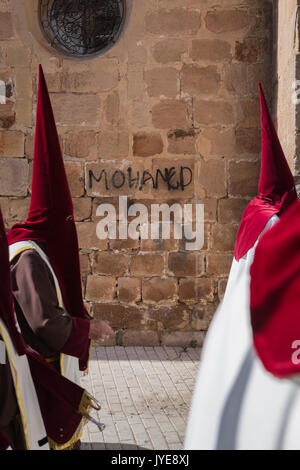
(14, 177)
(120, 316)
(124, 245)
(100, 288)
(19, 209)
(224, 236)
(212, 177)
(115, 264)
(113, 144)
(159, 290)
(224, 21)
(17, 55)
(6, 27)
(218, 264)
(23, 112)
(87, 237)
(82, 109)
(248, 141)
(230, 211)
(75, 175)
(140, 338)
(170, 114)
(222, 284)
(162, 82)
(182, 338)
(82, 208)
(183, 264)
(83, 144)
(216, 142)
(191, 290)
(112, 108)
(175, 317)
(200, 80)
(85, 264)
(251, 50)
(129, 289)
(146, 264)
(146, 145)
(175, 21)
(213, 50)
(11, 144)
(86, 78)
(182, 142)
(213, 112)
(250, 114)
(7, 115)
(243, 178)
(169, 50)
(236, 78)
(202, 316)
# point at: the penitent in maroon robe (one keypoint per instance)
(50, 222)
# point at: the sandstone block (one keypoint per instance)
(114, 264)
(200, 80)
(159, 290)
(11, 144)
(146, 145)
(147, 264)
(100, 288)
(129, 289)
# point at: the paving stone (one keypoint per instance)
(145, 394)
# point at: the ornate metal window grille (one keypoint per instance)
(82, 27)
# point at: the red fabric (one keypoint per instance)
(4, 442)
(59, 398)
(78, 340)
(275, 295)
(50, 217)
(276, 186)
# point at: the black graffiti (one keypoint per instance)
(171, 178)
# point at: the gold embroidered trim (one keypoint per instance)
(85, 406)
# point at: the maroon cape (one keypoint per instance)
(4, 442)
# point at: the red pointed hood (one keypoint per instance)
(50, 217)
(276, 185)
(50, 194)
(274, 296)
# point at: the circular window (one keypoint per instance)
(82, 27)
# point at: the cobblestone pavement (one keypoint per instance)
(145, 393)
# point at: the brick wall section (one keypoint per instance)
(178, 89)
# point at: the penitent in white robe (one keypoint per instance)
(237, 404)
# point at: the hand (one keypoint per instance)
(99, 329)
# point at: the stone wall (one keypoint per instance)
(286, 68)
(179, 90)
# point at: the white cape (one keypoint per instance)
(237, 404)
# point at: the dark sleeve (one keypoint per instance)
(35, 292)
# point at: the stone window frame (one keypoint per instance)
(31, 9)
